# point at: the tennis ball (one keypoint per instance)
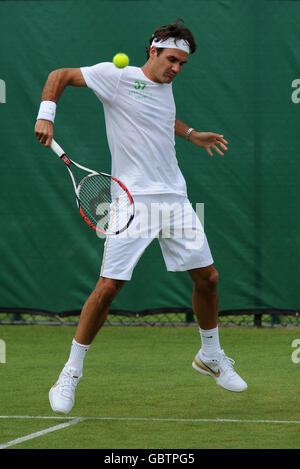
(121, 60)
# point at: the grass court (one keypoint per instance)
(139, 390)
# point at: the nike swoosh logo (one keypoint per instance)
(206, 368)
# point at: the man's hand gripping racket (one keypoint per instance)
(104, 202)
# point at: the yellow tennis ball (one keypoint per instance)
(121, 60)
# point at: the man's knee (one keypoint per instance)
(213, 278)
(107, 288)
(207, 281)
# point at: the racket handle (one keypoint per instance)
(56, 148)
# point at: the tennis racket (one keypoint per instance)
(104, 202)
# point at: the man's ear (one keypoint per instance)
(153, 52)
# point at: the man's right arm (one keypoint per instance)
(54, 86)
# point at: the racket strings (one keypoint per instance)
(105, 203)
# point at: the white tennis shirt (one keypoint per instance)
(140, 118)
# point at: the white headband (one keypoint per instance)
(172, 43)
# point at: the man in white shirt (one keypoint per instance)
(141, 125)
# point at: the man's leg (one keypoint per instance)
(92, 318)
(96, 309)
(211, 359)
(205, 307)
(205, 296)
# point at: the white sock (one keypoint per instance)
(76, 357)
(210, 345)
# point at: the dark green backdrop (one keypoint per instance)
(238, 83)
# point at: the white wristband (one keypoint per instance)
(47, 111)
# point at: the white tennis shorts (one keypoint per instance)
(171, 219)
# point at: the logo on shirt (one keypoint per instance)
(139, 91)
(139, 85)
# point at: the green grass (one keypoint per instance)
(145, 372)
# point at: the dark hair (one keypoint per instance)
(175, 30)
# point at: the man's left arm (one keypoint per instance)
(207, 140)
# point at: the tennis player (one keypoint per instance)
(141, 124)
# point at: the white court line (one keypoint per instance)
(147, 419)
(217, 420)
(40, 433)
(74, 420)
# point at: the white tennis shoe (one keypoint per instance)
(221, 369)
(62, 393)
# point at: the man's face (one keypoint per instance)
(167, 64)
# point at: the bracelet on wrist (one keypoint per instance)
(188, 133)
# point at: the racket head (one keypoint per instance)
(105, 203)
